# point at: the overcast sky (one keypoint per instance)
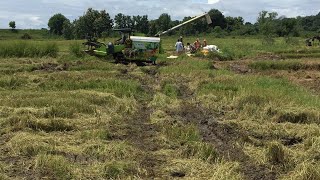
(35, 13)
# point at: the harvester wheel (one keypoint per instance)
(118, 57)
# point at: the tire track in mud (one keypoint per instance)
(16, 162)
(223, 137)
(141, 133)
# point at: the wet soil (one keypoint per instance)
(226, 138)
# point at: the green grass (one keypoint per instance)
(115, 150)
(181, 134)
(53, 166)
(276, 153)
(280, 90)
(27, 144)
(283, 65)
(28, 49)
(249, 47)
(8, 34)
(92, 64)
(76, 49)
(118, 170)
(304, 171)
(120, 88)
(203, 151)
(79, 117)
(171, 90)
(227, 55)
(186, 66)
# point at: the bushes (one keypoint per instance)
(26, 36)
(75, 49)
(28, 49)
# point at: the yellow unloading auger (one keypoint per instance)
(208, 18)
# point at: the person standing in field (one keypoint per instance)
(197, 44)
(181, 40)
(179, 47)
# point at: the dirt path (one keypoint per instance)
(141, 133)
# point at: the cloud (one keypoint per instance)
(213, 1)
(35, 13)
(36, 20)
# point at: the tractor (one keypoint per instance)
(130, 48)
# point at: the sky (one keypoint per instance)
(34, 14)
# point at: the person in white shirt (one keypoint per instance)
(179, 47)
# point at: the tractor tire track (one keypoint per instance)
(223, 137)
(141, 133)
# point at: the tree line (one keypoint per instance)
(100, 24)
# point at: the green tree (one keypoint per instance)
(172, 24)
(144, 24)
(104, 35)
(217, 18)
(123, 21)
(187, 29)
(92, 23)
(67, 30)
(248, 29)
(141, 24)
(12, 24)
(153, 30)
(234, 23)
(119, 20)
(218, 32)
(287, 27)
(56, 23)
(103, 23)
(267, 23)
(80, 30)
(309, 23)
(267, 26)
(89, 21)
(163, 22)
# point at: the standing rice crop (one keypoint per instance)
(28, 49)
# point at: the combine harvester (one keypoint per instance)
(133, 48)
